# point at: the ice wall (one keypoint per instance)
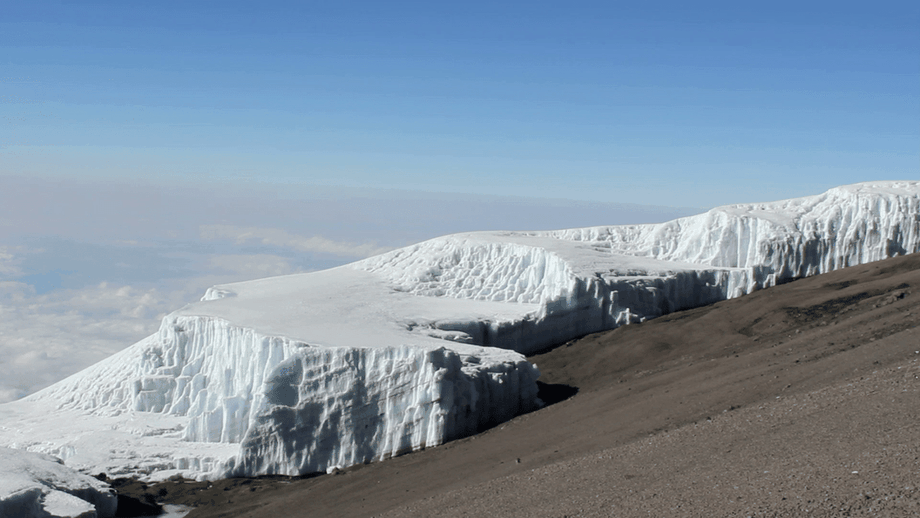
(293, 408)
(374, 404)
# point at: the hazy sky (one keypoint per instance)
(150, 150)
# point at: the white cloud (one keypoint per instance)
(9, 393)
(282, 238)
(7, 268)
(14, 291)
(10, 262)
(47, 337)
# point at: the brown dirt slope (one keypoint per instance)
(802, 399)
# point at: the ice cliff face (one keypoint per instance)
(420, 345)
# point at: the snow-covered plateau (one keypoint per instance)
(414, 347)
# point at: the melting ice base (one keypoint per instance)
(417, 346)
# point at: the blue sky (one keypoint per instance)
(666, 103)
(150, 150)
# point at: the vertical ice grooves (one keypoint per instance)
(369, 404)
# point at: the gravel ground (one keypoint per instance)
(847, 450)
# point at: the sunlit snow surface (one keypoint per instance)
(420, 345)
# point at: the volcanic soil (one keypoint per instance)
(799, 400)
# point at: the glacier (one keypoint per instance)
(424, 344)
